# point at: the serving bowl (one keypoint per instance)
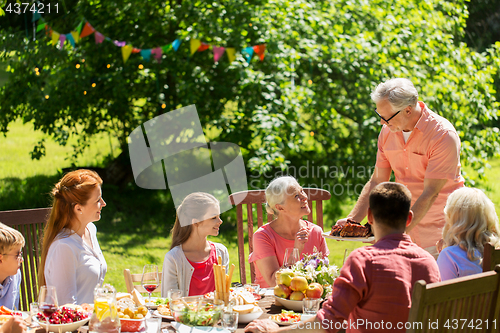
(196, 310)
(248, 317)
(64, 327)
(289, 304)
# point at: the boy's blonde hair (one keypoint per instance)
(471, 221)
(9, 237)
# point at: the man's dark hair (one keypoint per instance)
(390, 204)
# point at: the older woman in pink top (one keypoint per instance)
(288, 202)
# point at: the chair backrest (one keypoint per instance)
(257, 198)
(130, 279)
(472, 300)
(29, 222)
(491, 257)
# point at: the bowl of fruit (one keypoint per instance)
(133, 319)
(196, 311)
(294, 289)
(65, 319)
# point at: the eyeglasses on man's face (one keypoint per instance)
(19, 256)
(387, 120)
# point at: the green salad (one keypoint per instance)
(162, 301)
(206, 316)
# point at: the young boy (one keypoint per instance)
(11, 257)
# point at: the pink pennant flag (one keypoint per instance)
(157, 52)
(119, 43)
(99, 38)
(218, 52)
(62, 39)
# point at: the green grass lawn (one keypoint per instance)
(135, 225)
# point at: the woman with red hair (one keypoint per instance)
(71, 258)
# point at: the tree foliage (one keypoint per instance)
(307, 103)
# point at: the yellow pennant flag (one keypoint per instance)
(230, 54)
(126, 51)
(195, 44)
(55, 37)
(76, 36)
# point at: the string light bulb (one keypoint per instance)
(46, 96)
(85, 92)
(163, 106)
(108, 65)
(310, 81)
(83, 60)
(312, 133)
(141, 66)
(93, 85)
(77, 66)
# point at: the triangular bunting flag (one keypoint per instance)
(79, 29)
(48, 31)
(260, 50)
(230, 54)
(175, 44)
(218, 52)
(40, 27)
(87, 30)
(195, 44)
(135, 50)
(166, 48)
(126, 51)
(62, 39)
(55, 37)
(76, 36)
(99, 38)
(248, 51)
(146, 54)
(36, 16)
(203, 47)
(69, 37)
(157, 51)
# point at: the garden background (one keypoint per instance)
(304, 104)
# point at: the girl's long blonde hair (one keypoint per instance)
(193, 207)
(471, 221)
(74, 188)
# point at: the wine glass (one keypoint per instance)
(47, 302)
(150, 279)
(291, 257)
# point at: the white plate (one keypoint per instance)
(350, 239)
(153, 299)
(282, 323)
(248, 317)
(156, 313)
(64, 327)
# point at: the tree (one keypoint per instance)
(308, 103)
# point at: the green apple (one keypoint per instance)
(286, 278)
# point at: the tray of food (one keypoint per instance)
(351, 231)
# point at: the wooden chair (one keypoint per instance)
(29, 222)
(257, 198)
(130, 279)
(491, 257)
(470, 299)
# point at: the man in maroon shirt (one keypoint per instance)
(373, 291)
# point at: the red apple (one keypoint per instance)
(299, 283)
(314, 290)
(282, 291)
(297, 296)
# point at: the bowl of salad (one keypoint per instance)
(196, 311)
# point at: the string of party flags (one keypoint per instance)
(196, 45)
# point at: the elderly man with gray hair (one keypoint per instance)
(423, 150)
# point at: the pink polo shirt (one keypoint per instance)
(374, 289)
(433, 152)
(267, 243)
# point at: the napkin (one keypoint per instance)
(181, 328)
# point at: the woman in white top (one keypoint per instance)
(188, 265)
(71, 258)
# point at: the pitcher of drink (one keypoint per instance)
(105, 316)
